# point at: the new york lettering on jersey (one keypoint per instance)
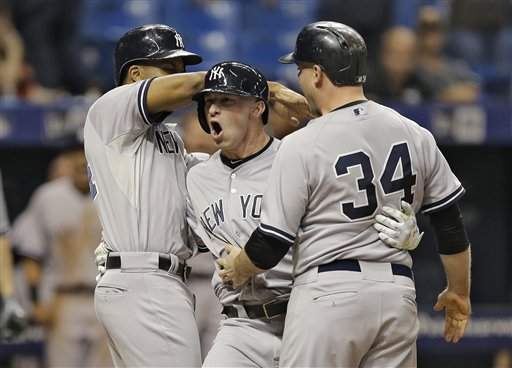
(212, 217)
(229, 206)
(165, 140)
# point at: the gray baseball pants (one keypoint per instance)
(149, 317)
(351, 319)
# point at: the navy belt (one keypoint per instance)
(163, 264)
(269, 310)
(353, 265)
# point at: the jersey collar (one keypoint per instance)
(357, 102)
(235, 163)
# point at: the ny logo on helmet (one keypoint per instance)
(217, 73)
(179, 40)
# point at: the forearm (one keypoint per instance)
(13, 62)
(6, 281)
(261, 253)
(32, 272)
(457, 267)
(173, 91)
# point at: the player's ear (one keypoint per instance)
(317, 75)
(134, 73)
(259, 108)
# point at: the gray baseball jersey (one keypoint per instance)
(60, 227)
(226, 203)
(4, 218)
(137, 174)
(328, 182)
(331, 178)
(56, 210)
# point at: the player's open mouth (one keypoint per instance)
(216, 129)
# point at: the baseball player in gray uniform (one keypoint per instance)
(137, 168)
(56, 235)
(225, 193)
(12, 316)
(353, 298)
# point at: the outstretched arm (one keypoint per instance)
(455, 298)
(289, 110)
(455, 254)
(171, 92)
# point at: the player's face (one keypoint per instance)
(79, 170)
(229, 118)
(305, 76)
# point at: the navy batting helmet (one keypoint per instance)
(337, 48)
(232, 78)
(149, 42)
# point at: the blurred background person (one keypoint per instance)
(481, 32)
(11, 54)
(50, 30)
(370, 17)
(448, 80)
(16, 74)
(60, 167)
(56, 236)
(393, 76)
(12, 316)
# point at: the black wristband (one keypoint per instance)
(265, 251)
(450, 231)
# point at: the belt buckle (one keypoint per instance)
(264, 306)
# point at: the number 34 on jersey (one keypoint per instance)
(389, 179)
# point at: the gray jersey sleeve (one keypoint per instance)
(441, 187)
(125, 108)
(286, 196)
(28, 233)
(4, 218)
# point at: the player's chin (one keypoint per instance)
(218, 139)
(224, 145)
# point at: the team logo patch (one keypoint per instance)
(217, 73)
(179, 40)
(358, 111)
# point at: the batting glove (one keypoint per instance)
(101, 254)
(13, 319)
(398, 229)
